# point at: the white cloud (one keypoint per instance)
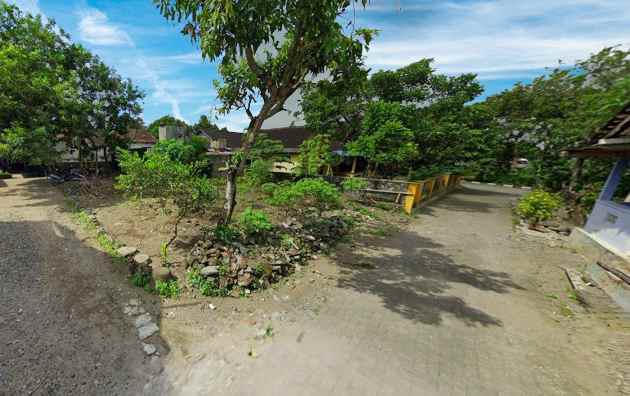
(29, 6)
(499, 38)
(95, 28)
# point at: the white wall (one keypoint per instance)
(610, 222)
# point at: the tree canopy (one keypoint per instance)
(266, 51)
(54, 90)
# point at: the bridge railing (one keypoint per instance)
(409, 194)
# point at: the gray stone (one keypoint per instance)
(143, 319)
(149, 349)
(127, 251)
(210, 270)
(147, 330)
(133, 311)
(162, 273)
(134, 302)
(142, 259)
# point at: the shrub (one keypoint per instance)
(254, 222)
(167, 289)
(182, 151)
(5, 174)
(258, 172)
(225, 233)
(538, 206)
(268, 188)
(158, 175)
(306, 192)
(354, 184)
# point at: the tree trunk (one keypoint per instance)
(234, 168)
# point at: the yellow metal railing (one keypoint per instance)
(424, 190)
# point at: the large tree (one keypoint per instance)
(267, 49)
(167, 120)
(422, 110)
(52, 89)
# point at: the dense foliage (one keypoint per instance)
(399, 120)
(52, 90)
(305, 193)
(184, 151)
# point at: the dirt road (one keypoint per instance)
(62, 329)
(456, 304)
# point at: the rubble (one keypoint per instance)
(255, 264)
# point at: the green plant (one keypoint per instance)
(254, 222)
(84, 220)
(206, 286)
(164, 253)
(141, 279)
(538, 206)
(167, 289)
(306, 192)
(107, 244)
(225, 233)
(156, 174)
(354, 184)
(268, 188)
(5, 174)
(315, 153)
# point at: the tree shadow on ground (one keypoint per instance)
(412, 277)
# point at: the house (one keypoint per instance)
(138, 140)
(605, 237)
(224, 143)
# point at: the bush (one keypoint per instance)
(254, 222)
(182, 151)
(158, 175)
(258, 172)
(5, 174)
(354, 184)
(167, 289)
(306, 192)
(538, 206)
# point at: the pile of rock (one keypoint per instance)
(253, 263)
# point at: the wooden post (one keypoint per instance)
(354, 166)
(418, 197)
(431, 185)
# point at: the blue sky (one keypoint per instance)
(504, 41)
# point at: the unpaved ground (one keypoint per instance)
(62, 329)
(455, 304)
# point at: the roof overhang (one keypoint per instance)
(602, 151)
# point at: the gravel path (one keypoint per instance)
(62, 329)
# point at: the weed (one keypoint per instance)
(552, 296)
(566, 311)
(164, 253)
(207, 287)
(269, 331)
(225, 233)
(167, 289)
(84, 220)
(107, 244)
(571, 294)
(140, 279)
